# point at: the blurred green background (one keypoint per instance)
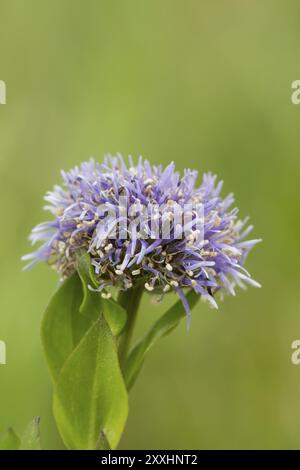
(208, 85)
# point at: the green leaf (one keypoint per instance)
(9, 440)
(161, 328)
(63, 325)
(31, 437)
(90, 401)
(84, 268)
(115, 316)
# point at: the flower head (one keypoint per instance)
(145, 225)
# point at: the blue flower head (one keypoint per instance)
(145, 225)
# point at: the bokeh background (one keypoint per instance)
(208, 85)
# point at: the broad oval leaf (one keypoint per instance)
(63, 325)
(162, 327)
(90, 400)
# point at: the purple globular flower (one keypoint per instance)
(207, 256)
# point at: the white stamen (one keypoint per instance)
(132, 171)
(217, 221)
(136, 272)
(211, 271)
(148, 287)
(170, 202)
(106, 295)
(208, 253)
(169, 267)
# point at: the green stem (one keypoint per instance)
(130, 300)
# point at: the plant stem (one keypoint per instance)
(130, 300)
